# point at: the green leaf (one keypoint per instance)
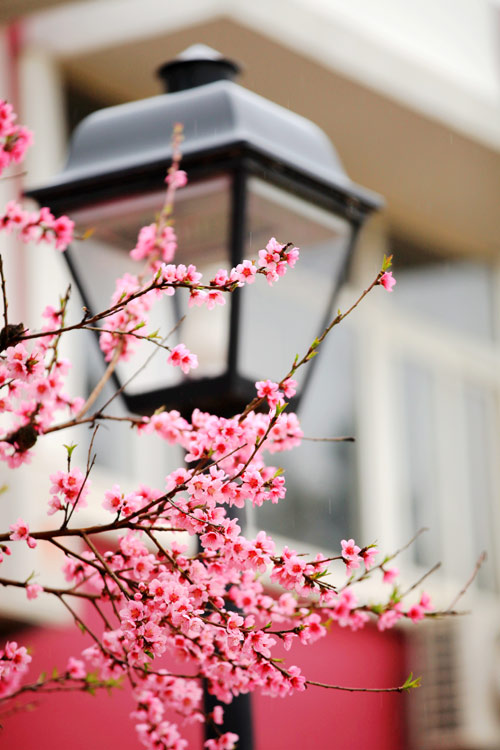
(280, 408)
(149, 653)
(88, 233)
(411, 682)
(42, 677)
(55, 673)
(386, 263)
(82, 627)
(3, 488)
(70, 448)
(395, 596)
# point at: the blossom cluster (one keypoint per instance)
(38, 226)
(155, 596)
(14, 139)
(134, 294)
(14, 661)
(32, 389)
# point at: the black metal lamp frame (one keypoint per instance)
(228, 393)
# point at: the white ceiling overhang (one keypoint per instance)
(439, 57)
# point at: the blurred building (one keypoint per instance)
(409, 93)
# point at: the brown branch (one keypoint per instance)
(106, 567)
(399, 689)
(4, 295)
(49, 590)
(421, 579)
(100, 385)
(344, 439)
(481, 559)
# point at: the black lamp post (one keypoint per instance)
(255, 170)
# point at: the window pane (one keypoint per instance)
(455, 294)
(277, 323)
(421, 459)
(202, 226)
(482, 417)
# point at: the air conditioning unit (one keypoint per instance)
(458, 705)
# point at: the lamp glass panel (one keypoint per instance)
(281, 322)
(201, 221)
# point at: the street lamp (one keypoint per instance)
(256, 170)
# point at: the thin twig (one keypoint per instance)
(421, 579)
(481, 559)
(115, 332)
(4, 295)
(100, 385)
(399, 689)
(106, 567)
(344, 439)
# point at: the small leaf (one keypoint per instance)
(70, 448)
(88, 233)
(280, 408)
(411, 682)
(31, 575)
(386, 263)
(55, 673)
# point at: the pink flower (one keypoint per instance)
(20, 531)
(387, 281)
(63, 230)
(390, 575)
(350, 549)
(350, 554)
(270, 391)
(76, 669)
(425, 601)
(218, 715)
(389, 618)
(368, 556)
(32, 590)
(226, 741)
(113, 499)
(180, 356)
(245, 272)
(416, 613)
(177, 179)
(289, 387)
